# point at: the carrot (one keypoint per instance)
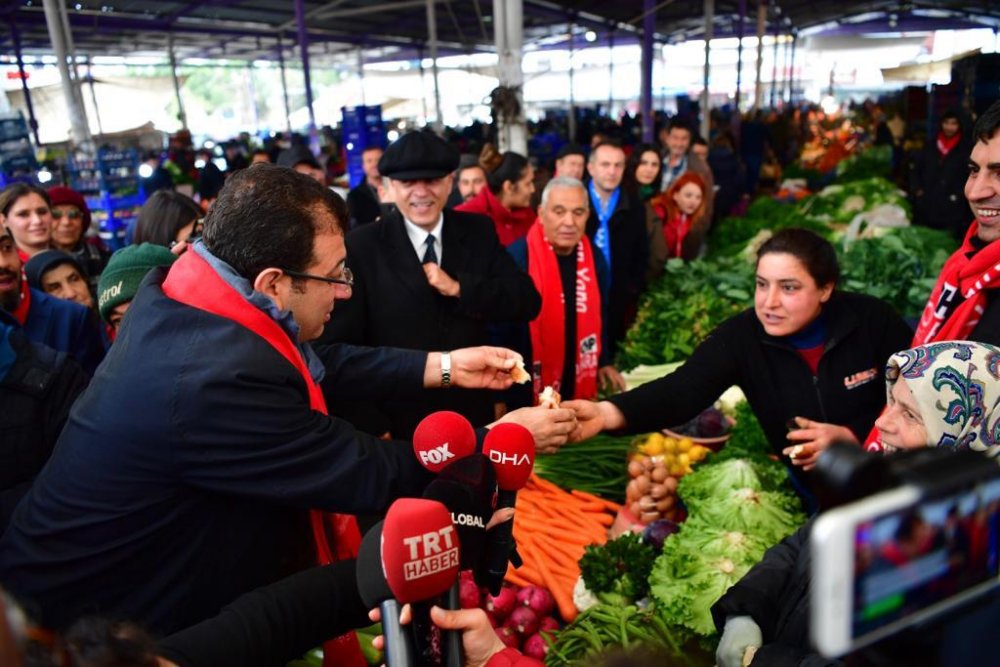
(564, 599)
(515, 578)
(605, 504)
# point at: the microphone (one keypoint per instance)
(375, 592)
(511, 449)
(441, 438)
(421, 559)
(468, 488)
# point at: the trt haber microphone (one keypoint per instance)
(468, 488)
(375, 592)
(441, 438)
(421, 557)
(511, 449)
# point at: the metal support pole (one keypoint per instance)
(648, 28)
(433, 42)
(181, 116)
(361, 74)
(252, 94)
(611, 71)
(300, 19)
(284, 85)
(32, 122)
(572, 99)
(79, 130)
(761, 25)
(423, 82)
(706, 121)
(787, 74)
(508, 27)
(739, 51)
(93, 98)
(791, 70)
(74, 69)
(774, 67)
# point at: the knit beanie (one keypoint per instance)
(125, 271)
(40, 264)
(63, 196)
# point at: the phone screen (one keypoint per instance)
(925, 558)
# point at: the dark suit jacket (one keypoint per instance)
(392, 304)
(362, 205)
(629, 256)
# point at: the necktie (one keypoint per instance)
(430, 255)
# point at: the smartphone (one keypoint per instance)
(897, 559)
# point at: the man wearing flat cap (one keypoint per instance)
(427, 278)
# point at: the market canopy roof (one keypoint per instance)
(251, 29)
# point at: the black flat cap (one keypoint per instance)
(418, 155)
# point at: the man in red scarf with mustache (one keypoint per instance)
(565, 344)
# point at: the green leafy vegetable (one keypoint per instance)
(618, 572)
(596, 465)
(770, 515)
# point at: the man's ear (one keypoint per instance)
(269, 283)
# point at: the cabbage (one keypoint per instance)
(769, 515)
(711, 479)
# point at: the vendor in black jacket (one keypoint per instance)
(804, 352)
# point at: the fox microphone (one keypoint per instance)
(511, 449)
(441, 438)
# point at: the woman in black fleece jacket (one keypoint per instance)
(804, 352)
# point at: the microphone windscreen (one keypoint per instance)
(511, 448)
(372, 586)
(469, 514)
(420, 549)
(476, 472)
(442, 437)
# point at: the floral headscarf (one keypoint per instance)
(956, 385)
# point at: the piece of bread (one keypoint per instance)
(549, 398)
(518, 374)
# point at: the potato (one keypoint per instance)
(649, 517)
(671, 484)
(632, 491)
(635, 469)
(643, 482)
(658, 474)
(658, 491)
(665, 504)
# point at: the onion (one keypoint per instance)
(524, 621)
(537, 599)
(503, 603)
(468, 593)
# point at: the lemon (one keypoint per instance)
(685, 444)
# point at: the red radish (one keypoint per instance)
(468, 593)
(492, 618)
(537, 599)
(508, 636)
(524, 621)
(549, 625)
(502, 603)
(535, 647)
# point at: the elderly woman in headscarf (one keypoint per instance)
(943, 394)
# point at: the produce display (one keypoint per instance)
(521, 617)
(655, 470)
(552, 527)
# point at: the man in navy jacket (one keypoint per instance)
(185, 473)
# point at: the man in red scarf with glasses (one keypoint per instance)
(938, 174)
(565, 344)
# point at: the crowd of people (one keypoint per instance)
(197, 420)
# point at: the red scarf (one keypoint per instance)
(945, 144)
(510, 224)
(675, 230)
(970, 277)
(21, 312)
(548, 330)
(193, 282)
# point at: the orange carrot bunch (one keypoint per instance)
(552, 527)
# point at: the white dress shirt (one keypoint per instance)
(418, 237)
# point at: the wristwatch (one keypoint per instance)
(445, 369)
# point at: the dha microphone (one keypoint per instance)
(468, 488)
(441, 438)
(511, 449)
(375, 592)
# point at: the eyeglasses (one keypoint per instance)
(72, 215)
(347, 279)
